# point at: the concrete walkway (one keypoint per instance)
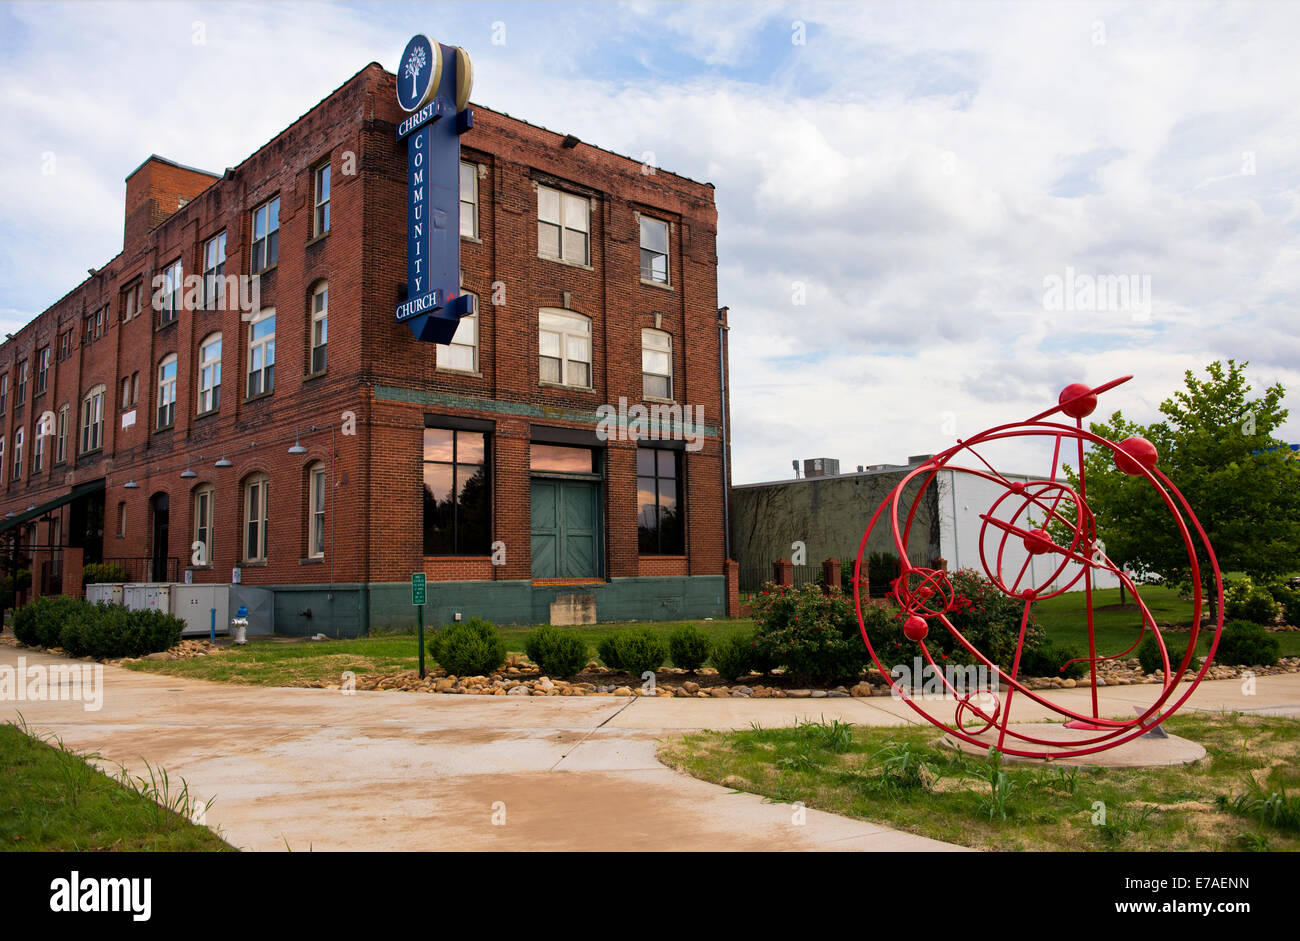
(320, 769)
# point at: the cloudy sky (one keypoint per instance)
(900, 185)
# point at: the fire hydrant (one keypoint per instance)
(239, 625)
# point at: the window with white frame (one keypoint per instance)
(92, 420)
(654, 250)
(320, 302)
(461, 354)
(656, 364)
(266, 235)
(210, 374)
(61, 436)
(565, 348)
(469, 200)
(563, 226)
(4, 392)
(38, 451)
(167, 391)
(172, 294)
(322, 216)
(214, 271)
(42, 370)
(18, 454)
(261, 353)
(256, 498)
(20, 388)
(2, 459)
(204, 514)
(316, 511)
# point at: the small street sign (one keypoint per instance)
(417, 588)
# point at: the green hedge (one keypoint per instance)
(468, 648)
(102, 631)
(99, 572)
(557, 652)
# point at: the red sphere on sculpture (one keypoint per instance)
(1082, 407)
(915, 628)
(1038, 541)
(1134, 454)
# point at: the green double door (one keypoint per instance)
(566, 528)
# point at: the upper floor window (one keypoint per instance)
(320, 302)
(18, 454)
(65, 345)
(462, 352)
(256, 501)
(261, 353)
(38, 451)
(266, 235)
(654, 250)
(656, 364)
(130, 302)
(61, 436)
(92, 420)
(20, 388)
(4, 392)
(565, 347)
(469, 200)
(563, 226)
(316, 511)
(214, 271)
(2, 459)
(42, 370)
(171, 296)
(321, 219)
(210, 374)
(167, 391)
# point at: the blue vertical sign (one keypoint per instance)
(433, 83)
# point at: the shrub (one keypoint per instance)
(734, 657)
(468, 648)
(689, 647)
(103, 631)
(1245, 643)
(1048, 660)
(1288, 599)
(557, 652)
(607, 651)
(813, 635)
(1244, 600)
(640, 651)
(39, 623)
(1149, 655)
(97, 572)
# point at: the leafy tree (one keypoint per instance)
(1216, 444)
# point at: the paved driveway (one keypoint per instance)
(318, 769)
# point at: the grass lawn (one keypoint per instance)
(901, 777)
(52, 799)
(278, 663)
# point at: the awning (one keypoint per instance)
(37, 511)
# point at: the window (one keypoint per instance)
(130, 390)
(656, 364)
(92, 420)
(167, 391)
(256, 497)
(457, 495)
(121, 519)
(38, 452)
(18, 454)
(61, 436)
(4, 392)
(469, 200)
(316, 511)
(203, 516)
(171, 296)
(42, 370)
(561, 459)
(261, 353)
(2, 459)
(266, 235)
(100, 317)
(130, 303)
(214, 271)
(65, 345)
(20, 390)
(654, 250)
(94, 327)
(563, 226)
(462, 352)
(320, 302)
(565, 346)
(210, 374)
(659, 515)
(321, 220)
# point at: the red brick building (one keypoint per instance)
(296, 433)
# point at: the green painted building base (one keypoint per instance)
(353, 610)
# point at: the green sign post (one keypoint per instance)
(417, 599)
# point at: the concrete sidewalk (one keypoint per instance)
(318, 769)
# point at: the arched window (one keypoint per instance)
(210, 374)
(167, 391)
(204, 514)
(564, 340)
(320, 302)
(256, 499)
(316, 511)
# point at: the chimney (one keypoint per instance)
(155, 190)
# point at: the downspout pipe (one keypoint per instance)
(725, 402)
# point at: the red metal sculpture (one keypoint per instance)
(1023, 512)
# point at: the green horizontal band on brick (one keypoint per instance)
(498, 407)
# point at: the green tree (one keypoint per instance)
(1216, 444)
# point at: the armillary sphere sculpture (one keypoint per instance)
(1035, 514)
